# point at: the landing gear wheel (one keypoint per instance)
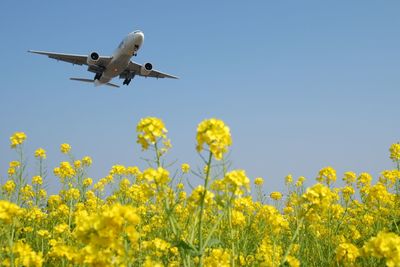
(97, 76)
(127, 81)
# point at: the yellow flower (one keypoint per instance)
(65, 170)
(17, 138)
(9, 211)
(287, 210)
(65, 148)
(197, 194)
(14, 164)
(11, 172)
(327, 175)
(389, 178)
(133, 170)
(259, 181)
(25, 256)
(40, 153)
(238, 218)
(37, 180)
(87, 181)
(289, 179)
(236, 182)
(118, 170)
(268, 254)
(364, 180)
(87, 161)
(77, 164)
(218, 257)
(159, 175)
(384, 245)
(300, 181)
(54, 200)
(292, 261)
(185, 167)
(61, 228)
(395, 152)
(42, 193)
(319, 195)
(349, 177)
(72, 194)
(149, 130)
(151, 263)
(43, 233)
(27, 192)
(216, 135)
(347, 253)
(276, 195)
(378, 195)
(103, 233)
(9, 186)
(347, 192)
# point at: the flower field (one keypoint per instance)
(151, 217)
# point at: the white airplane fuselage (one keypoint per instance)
(122, 56)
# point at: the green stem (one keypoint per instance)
(166, 203)
(289, 248)
(157, 155)
(11, 244)
(202, 200)
(231, 233)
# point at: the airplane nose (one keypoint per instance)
(139, 36)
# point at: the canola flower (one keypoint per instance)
(347, 253)
(384, 245)
(17, 139)
(40, 153)
(259, 181)
(216, 135)
(149, 130)
(65, 148)
(276, 195)
(155, 217)
(185, 168)
(395, 152)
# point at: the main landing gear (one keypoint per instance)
(97, 76)
(127, 81)
(128, 78)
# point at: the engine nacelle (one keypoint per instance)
(146, 69)
(93, 58)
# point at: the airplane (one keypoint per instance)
(108, 67)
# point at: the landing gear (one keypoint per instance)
(128, 78)
(127, 81)
(97, 76)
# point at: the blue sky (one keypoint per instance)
(302, 84)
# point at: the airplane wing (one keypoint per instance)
(72, 58)
(135, 68)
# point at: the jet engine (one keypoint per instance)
(146, 69)
(92, 59)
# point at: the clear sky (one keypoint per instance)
(302, 84)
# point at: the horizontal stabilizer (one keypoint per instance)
(93, 81)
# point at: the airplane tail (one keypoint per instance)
(95, 82)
